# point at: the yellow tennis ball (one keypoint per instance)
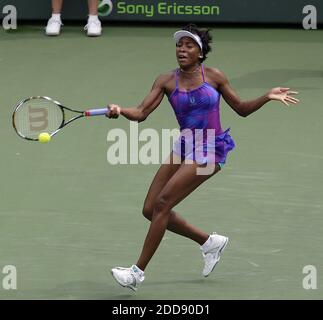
(44, 137)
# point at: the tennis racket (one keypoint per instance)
(35, 115)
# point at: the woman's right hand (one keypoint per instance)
(114, 111)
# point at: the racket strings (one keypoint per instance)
(37, 115)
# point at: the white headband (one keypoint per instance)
(183, 33)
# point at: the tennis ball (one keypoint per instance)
(105, 7)
(44, 137)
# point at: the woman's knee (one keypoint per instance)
(148, 211)
(161, 205)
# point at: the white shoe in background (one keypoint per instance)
(93, 27)
(53, 27)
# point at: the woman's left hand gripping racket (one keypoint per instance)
(35, 115)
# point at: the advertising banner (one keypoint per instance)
(209, 11)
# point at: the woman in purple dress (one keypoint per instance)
(194, 92)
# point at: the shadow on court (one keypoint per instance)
(107, 291)
(264, 79)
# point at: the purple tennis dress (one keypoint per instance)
(198, 114)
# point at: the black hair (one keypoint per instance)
(205, 36)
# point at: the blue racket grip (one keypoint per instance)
(96, 112)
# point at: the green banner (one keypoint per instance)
(222, 11)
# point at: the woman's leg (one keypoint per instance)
(180, 185)
(93, 7)
(57, 6)
(176, 223)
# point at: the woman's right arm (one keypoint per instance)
(148, 105)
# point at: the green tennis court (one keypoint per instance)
(67, 216)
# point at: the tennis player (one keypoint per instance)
(194, 92)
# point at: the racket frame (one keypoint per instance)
(58, 104)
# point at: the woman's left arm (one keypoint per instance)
(245, 108)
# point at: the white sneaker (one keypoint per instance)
(212, 255)
(53, 27)
(128, 277)
(93, 28)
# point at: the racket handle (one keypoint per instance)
(96, 112)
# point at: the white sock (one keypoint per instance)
(137, 269)
(206, 245)
(93, 17)
(56, 16)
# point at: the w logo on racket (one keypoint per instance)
(38, 118)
